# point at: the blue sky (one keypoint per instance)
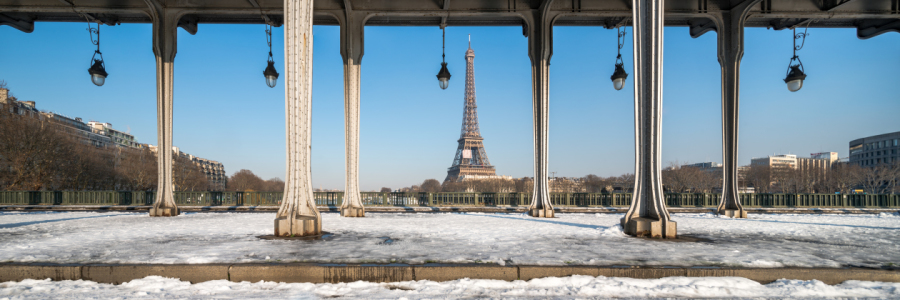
(224, 111)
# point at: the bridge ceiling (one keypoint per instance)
(883, 15)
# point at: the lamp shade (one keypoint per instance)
(271, 75)
(795, 78)
(618, 77)
(98, 73)
(444, 76)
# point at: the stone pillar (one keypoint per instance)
(730, 42)
(648, 215)
(352, 29)
(540, 49)
(298, 215)
(165, 37)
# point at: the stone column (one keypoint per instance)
(352, 29)
(540, 49)
(165, 37)
(648, 215)
(730, 40)
(298, 215)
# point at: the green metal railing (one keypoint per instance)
(440, 199)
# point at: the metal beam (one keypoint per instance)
(352, 29)
(189, 24)
(18, 22)
(165, 37)
(481, 13)
(730, 44)
(867, 31)
(829, 5)
(539, 30)
(701, 26)
(298, 215)
(648, 215)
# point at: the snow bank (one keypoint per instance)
(155, 287)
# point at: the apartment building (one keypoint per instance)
(876, 150)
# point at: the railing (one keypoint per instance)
(440, 199)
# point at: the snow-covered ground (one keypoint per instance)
(575, 287)
(581, 239)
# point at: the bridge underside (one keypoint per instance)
(872, 16)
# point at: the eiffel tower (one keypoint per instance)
(470, 159)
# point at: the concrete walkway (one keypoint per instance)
(426, 209)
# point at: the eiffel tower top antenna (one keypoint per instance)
(470, 41)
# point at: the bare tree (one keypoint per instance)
(880, 179)
(385, 190)
(524, 185)
(596, 184)
(187, 176)
(138, 169)
(431, 186)
(760, 177)
(244, 180)
(273, 185)
(32, 153)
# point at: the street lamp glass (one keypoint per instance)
(271, 75)
(444, 76)
(618, 77)
(98, 79)
(795, 85)
(98, 73)
(618, 83)
(795, 78)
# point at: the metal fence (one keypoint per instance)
(439, 199)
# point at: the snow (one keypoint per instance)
(764, 240)
(574, 287)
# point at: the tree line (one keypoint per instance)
(37, 154)
(841, 178)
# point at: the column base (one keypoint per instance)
(164, 212)
(353, 212)
(297, 226)
(541, 213)
(733, 213)
(652, 228)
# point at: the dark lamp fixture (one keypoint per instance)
(270, 73)
(795, 75)
(795, 78)
(619, 75)
(98, 68)
(98, 72)
(443, 75)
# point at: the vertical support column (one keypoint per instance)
(352, 28)
(165, 37)
(730, 42)
(648, 215)
(298, 215)
(540, 49)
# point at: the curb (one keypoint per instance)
(336, 273)
(435, 209)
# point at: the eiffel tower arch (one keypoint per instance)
(471, 158)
